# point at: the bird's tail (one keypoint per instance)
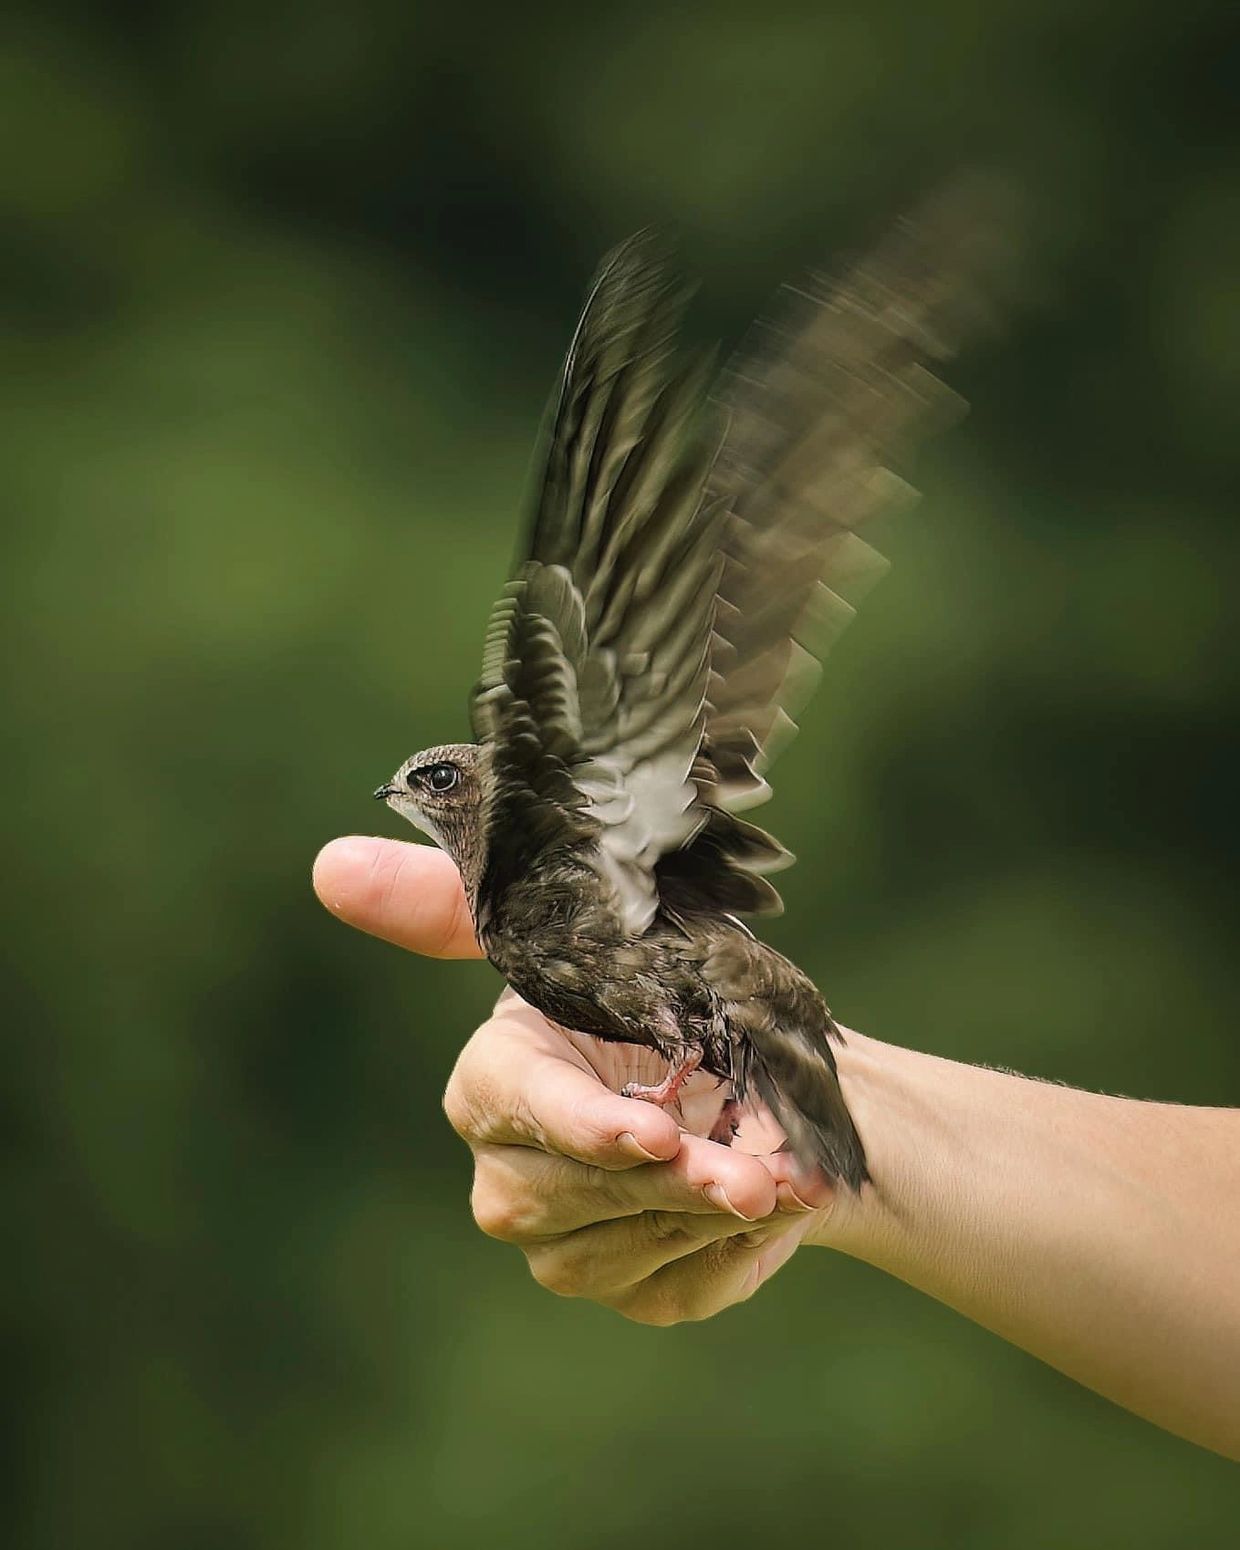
(792, 1070)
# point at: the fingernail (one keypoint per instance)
(718, 1197)
(813, 1189)
(628, 1142)
(789, 1200)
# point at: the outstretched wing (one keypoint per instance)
(593, 688)
(822, 404)
(642, 663)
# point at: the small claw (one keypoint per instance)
(668, 1090)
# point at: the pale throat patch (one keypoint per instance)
(412, 813)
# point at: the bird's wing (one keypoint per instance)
(822, 402)
(642, 663)
(592, 699)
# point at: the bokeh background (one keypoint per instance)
(284, 287)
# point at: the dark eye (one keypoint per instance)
(442, 777)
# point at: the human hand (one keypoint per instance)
(607, 1197)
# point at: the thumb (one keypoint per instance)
(407, 894)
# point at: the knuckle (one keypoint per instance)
(653, 1306)
(499, 1214)
(555, 1272)
(471, 1100)
(455, 1106)
(669, 1228)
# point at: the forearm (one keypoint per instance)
(1101, 1234)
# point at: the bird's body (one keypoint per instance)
(682, 570)
(701, 990)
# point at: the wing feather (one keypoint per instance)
(685, 575)
(603, 637)
(830, 391)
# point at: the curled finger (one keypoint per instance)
(604, 1261)
(525, 1195)
(520, 1082)
(716, 1276)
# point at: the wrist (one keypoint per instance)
(854, 1223)
(909, 1109)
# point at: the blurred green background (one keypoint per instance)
(284, 288)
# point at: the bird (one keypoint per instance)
(691, 553)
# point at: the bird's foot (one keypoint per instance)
(729, 1122)
(668, 1090)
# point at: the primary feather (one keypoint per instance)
(691, 559)
(598, 657)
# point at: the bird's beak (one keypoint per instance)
(383, 793)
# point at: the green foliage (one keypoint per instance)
(283, 290)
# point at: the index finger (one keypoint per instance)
(407, 894)
(520, 1082)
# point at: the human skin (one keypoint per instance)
(1100, 1234)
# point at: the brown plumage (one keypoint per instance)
(689, 559)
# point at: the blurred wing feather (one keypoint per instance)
(593, 688)
(827, 393)
(643, 667)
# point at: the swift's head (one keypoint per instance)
(440, 791)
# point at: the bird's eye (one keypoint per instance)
(442, 777)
